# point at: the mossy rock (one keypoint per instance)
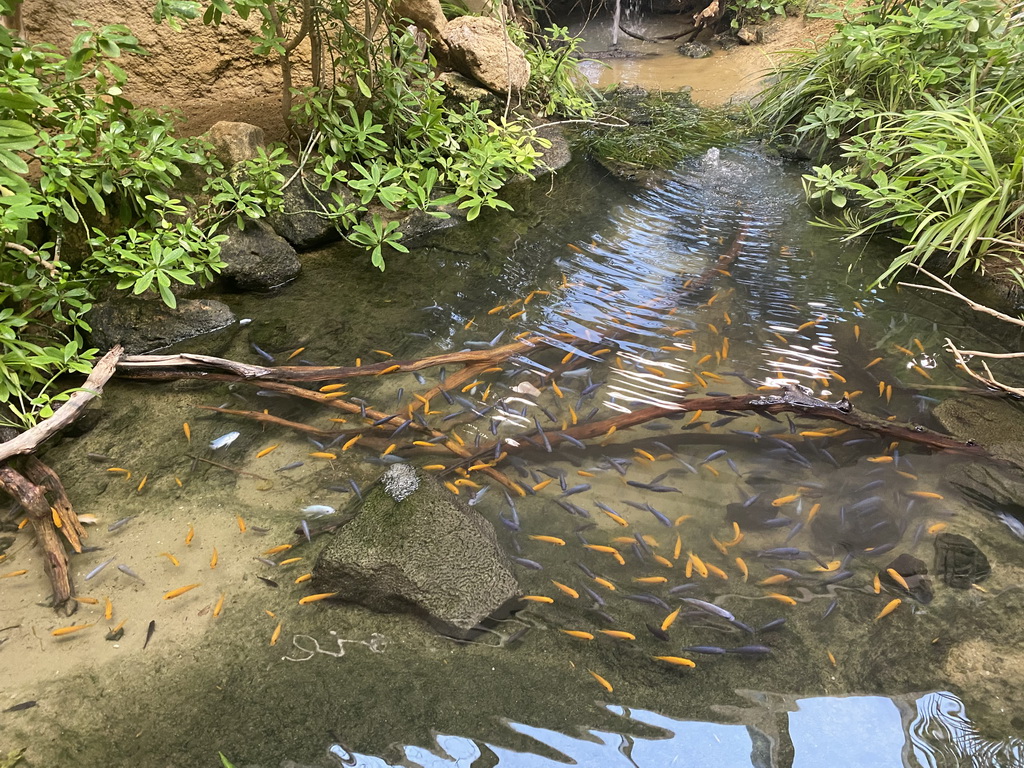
(412, 546)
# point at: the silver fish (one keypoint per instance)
(129, 572)
(319, 510)
(98, 568)
(224, 440)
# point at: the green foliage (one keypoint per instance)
(78, 160)
(657, 130)
(746, 12)
(252, 189)
(144, 260)
(886, 60)
(920, 107)
(383, 132)
(557, 87)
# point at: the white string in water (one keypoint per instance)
(377, 644)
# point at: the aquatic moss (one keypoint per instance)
(662, 128)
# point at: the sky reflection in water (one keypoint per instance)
(851, 731)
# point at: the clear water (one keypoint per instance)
(615, 268)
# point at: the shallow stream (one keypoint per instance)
(932, 684)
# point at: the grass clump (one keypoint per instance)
(917, 107)
(644, 131)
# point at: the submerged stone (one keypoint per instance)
(959, 561)
(913, 571)
(142, 324)
(413, 546)
(695, 50)
(995, 424)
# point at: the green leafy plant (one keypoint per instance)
(918, 107)
(746, 12)
(557, 87)
(78, 162)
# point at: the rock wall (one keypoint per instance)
(208, 73)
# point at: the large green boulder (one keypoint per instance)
(413, 546)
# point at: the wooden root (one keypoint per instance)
(55, 559)
(30, 489)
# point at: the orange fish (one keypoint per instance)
(549, 539)
(699, 565)
(179, 591)
(781, 598)
(679, 661)
(889, 608)
(315, 598)
(219, 606)
(190, 535)
(214, 558)
(304, 577)
(276, 634)
(898, 578)
(604, 683)
(670, 619)
(577, 633)
(538, 598)
(567, 589)
(742, 565)
(172, 558)
(267, 450)
(618, 634)
(68, 630)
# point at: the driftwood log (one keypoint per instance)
(30, 486)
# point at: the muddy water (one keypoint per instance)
(615, 267)
(657, 65)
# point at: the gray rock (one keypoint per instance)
(257, 258)
(695, 50)
(299, 221)
(558, 155)
(995, 424)
(235, 142)
(413, 546)
(959, 561)
(425, 14)
(480, 48)
(143, 325)
(460, 89)
(750, 35)
(992, 486)
(792, 152)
